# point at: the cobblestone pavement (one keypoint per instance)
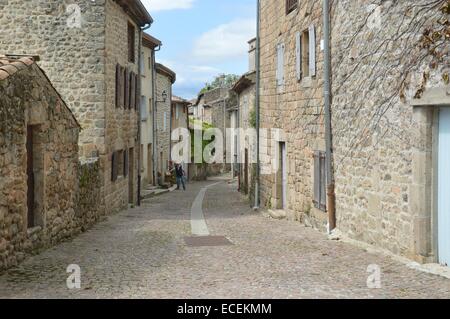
(140, 253)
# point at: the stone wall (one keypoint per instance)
(297, 109)
(29, 99)
(121, 124)
(72, 57)
(379, 66)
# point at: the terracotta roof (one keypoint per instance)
(179, 100)
(9, 65)
(166, 71)
(149, 41)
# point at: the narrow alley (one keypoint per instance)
(149, 252)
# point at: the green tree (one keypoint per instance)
(222, 80)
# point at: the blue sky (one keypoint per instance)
(202, 38)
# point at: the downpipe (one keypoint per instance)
(257, 108)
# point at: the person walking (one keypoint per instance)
(179, 172)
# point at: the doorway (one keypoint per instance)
(283, 175)
(131, 176)
(246, 172)
(35, 177)
(444, 187)
(150, 163)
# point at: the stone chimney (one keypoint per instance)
(252, 55)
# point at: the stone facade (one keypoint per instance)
(387, 87)
(148, 74)
(294, 105)
(385, 91)
(180, 120)
(38, 163)
(164, 80)
(79, 44)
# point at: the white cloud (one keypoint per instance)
(227, 41)
(161, 5)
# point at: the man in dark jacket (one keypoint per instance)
(179, 172)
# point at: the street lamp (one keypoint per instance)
(164, 97)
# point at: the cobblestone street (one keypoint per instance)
(141, 253)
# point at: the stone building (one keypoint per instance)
(165, 78)
(390, 119)
(38, 162)
(202, 111)
(180, 120)
(291, 109)
(148, 74)
(391, 125)
(243, 145)
(90, 51)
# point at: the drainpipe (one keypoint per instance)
(154, 108)
(138, 109)
(258, 65)
(331, 197)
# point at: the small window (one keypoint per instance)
(320, 194)
(131, 43)
(291, 5)
(120, 162)
(280, 65)
(125, 163)
(144, 109)
(305, 53)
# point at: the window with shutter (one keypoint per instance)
(298, 55)
(137, 92)
(320, 196)
(114, 167)
(280, 65)
(126, 88)
(291, 5)
(131, 43)
(312, 50)
(125, 163)
(305, 54)
(117, 85)
(132, 103)
(144, 109)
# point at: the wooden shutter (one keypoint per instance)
(114, 160)
(125, 163)
(298, 55)
(126, 88)
(312, 50)
(117, 85)
(132, 103)
(323, 188)
(280, 64)
(137, 92)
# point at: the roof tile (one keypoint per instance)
(3, 75)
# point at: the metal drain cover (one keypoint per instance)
(205, 241)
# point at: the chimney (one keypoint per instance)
(252, 55)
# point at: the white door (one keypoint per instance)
(444, 187)
(283, 174)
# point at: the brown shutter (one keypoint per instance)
(138, 92)
(125, 163)
(114, 160)
(132, 91)
(323, 191)
(117, 85)
(126, 104)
